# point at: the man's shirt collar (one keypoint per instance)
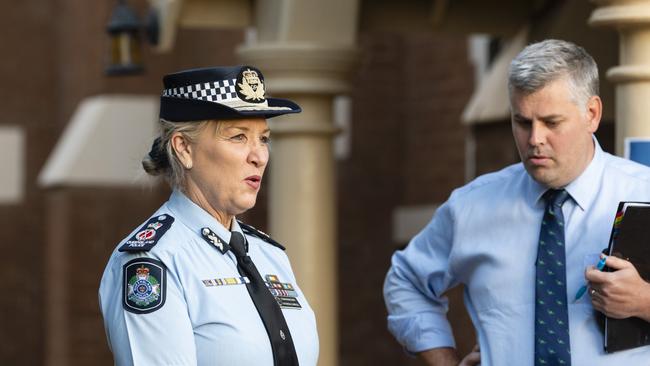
(583, 189)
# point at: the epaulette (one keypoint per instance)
(247, 229)
(214, 240)
(148, 235)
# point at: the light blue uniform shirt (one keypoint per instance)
(201, 322)
(485, 237)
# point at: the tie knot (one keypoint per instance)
(556, 197)
(237, 243)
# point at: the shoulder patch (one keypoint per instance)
(144, 285)
(247, 229)
(148, 235)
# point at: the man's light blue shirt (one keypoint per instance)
(485, 237)
(205, 319)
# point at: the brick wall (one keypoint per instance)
(26, 100)
(407, 148)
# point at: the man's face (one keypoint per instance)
(553, 134)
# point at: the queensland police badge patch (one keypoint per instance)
(145, 285)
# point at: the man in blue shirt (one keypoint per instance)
(523, 239)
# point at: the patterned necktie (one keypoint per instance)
(552, 345)
(284, 352)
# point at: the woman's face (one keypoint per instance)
(228, 161)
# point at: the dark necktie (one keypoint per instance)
(284, 353)
(552, 346)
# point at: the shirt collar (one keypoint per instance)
(196, 218)
(584, 188)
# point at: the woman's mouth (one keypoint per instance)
(254, 181)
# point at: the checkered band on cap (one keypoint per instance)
(222, 91)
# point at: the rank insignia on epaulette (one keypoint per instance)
(284, 293)
(148, 235)
(144, 285)
(212, 238)
(247, 229)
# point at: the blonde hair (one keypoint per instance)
(162, 159)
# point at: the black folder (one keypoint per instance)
(630, 239)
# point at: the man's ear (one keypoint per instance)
(594, 113)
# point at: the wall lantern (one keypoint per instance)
(125, 29)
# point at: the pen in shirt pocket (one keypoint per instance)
(583, 289)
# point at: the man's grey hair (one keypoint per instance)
(543, 62)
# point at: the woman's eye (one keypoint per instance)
(240, 137)
(265, 139)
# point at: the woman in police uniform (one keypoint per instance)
(192, 285)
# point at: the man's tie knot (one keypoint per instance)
(237, 243)
(555, 197)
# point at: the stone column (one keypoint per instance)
(306, 50)
(302, 203)
(632, 77)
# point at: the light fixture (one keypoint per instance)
(124, 29)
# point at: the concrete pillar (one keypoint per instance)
(632, 77)
(302, 191)
(306, 50)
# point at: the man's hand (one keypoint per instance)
(619, 294)
(449, 357)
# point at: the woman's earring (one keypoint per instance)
(188, 166)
